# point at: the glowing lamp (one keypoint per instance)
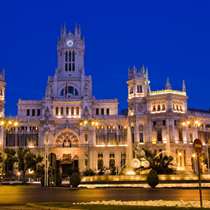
(96, 123)
(196, 122)
(183, 123)
(10, 122)
(2, 122)
(16, 123)
(85, 122)
(80, 124)
(180, 154)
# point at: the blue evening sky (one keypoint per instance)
(172, 38)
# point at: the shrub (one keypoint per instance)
(58, 180)
(42, 181)
(75, 179)
(88, 172)
(152, 179)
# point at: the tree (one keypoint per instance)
(27, 160)
(75, 179)
(10, 160)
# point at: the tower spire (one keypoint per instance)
(183, 86)
(168, 85)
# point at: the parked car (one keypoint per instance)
(7, 181)
(19, 182)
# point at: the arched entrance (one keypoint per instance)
(67, 138)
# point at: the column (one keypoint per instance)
(94, 136)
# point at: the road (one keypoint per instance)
(20, 195)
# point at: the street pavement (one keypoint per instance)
(20, 195)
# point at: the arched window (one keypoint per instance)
(67, 110)
(163, 107)
(0, 91)
(33, 112)
(61, 110)
(97, 111)
(177, 107)
(56, 110)
(153, 107)
(140, 89)
(62, 92)
(158, 107)
(77, 111)
(76, 92)
(181, 108)
(174, 108)
(102, 111)
(72, 110)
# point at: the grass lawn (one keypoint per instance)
(111, 207)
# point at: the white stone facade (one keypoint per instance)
(89, 133)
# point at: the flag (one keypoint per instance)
(66, 88)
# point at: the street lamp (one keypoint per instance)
(18, 174)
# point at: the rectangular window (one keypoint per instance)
(38, 112)
(159, 135)
(154, 123)
(56, 110)
(69, 66)
(97, 112)
(66, 67)
(107, 111)
(70, 89)
(174, 122)
(33, 112)
(141, 137)
(61, 110)
(67, 110)
(73, 66)
(164, 122)
(102, 111)
(180, 136)
(28, 112)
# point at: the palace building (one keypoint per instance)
(86, 132)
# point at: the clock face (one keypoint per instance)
(70, 43)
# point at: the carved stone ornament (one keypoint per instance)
(140, 107)
(66, 139)
(86, 112)
(47, 113)
(1, 108)
(86, 91)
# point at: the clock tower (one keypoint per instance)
(71, 51)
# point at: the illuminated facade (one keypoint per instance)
(86, 132)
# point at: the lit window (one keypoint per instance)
(77, 110)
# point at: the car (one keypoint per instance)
(19, 182)
(7, 181)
